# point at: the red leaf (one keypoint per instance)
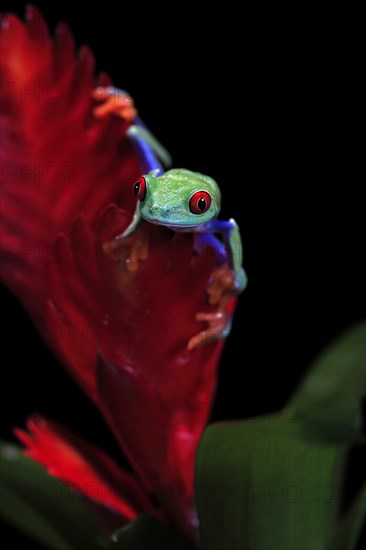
(83, 467)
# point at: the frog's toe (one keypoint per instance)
(139, 253)
(222, 283)
(129, 251)
(114, 101)
(218, 328)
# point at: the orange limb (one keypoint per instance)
(114, 102)
(221, 286)
(131, 250)
(220, 291)
(217, 323)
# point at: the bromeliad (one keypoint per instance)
(117, 312)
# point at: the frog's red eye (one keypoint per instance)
(140, 188)
(200, 202)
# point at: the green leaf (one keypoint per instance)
(147, 533)
(260, 485)
(328, 402)
(276, 482)
(43, 507)
(347, 534)
(58, 518)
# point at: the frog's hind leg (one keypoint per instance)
(118, 102)
(140, 133)
(114, 102)
(142, 141)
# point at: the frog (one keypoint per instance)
(182, 201)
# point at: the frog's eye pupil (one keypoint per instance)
(139, 188)
(200, 202)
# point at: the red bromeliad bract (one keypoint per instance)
(67, 191)
(84, 468)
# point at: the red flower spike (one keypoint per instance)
(153, 392)
(119, 322)
(57, 160)
(84, 468)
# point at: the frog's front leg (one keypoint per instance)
(230, 233)
(221, 289)
(219, 325)
(133, 250)
(226, 281)
(229, 278)
(135, 241)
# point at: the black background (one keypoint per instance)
(264, 104)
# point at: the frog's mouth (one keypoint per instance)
(179, 227)
(173, 224)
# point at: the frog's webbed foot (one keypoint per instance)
(138, 253)
(114, 101)
(131, 250)
(223, 285)
(219, 324)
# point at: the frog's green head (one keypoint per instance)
(178, 199)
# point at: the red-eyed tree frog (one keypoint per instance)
(182, 201)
